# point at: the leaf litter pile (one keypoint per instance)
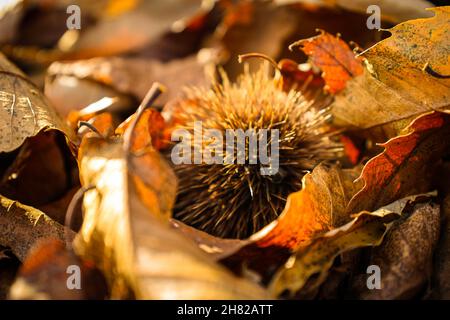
(90, 187)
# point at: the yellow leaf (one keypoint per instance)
(408, 75)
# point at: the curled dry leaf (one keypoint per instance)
(407, 164)
(24, 110)
(405, 256)
(21, 227)
(408, 76)
(366, 229)
(331, 54)
(132, 76)
(126, 230)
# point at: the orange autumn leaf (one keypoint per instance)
(406, 166)
(151, 125)
(334, 57)
(317, 208)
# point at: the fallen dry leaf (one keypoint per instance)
(395, 92)
(331, 54)
(21, 227)
(366, 229)
(407, 164)
(24, 110)
(408, 76)
(132, 76)
(405, 256)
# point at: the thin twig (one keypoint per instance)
(246, 56)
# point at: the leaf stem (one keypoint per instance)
(151, 96)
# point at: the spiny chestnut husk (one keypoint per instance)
(235, 200)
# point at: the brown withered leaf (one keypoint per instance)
(317, 208)
(366, 229)
(23, 226)
(24, 111)
(126, 230)
(405, 256)
(407, 164)
(46, 273)
(134, 76)
(334, 57)
(408, 75)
